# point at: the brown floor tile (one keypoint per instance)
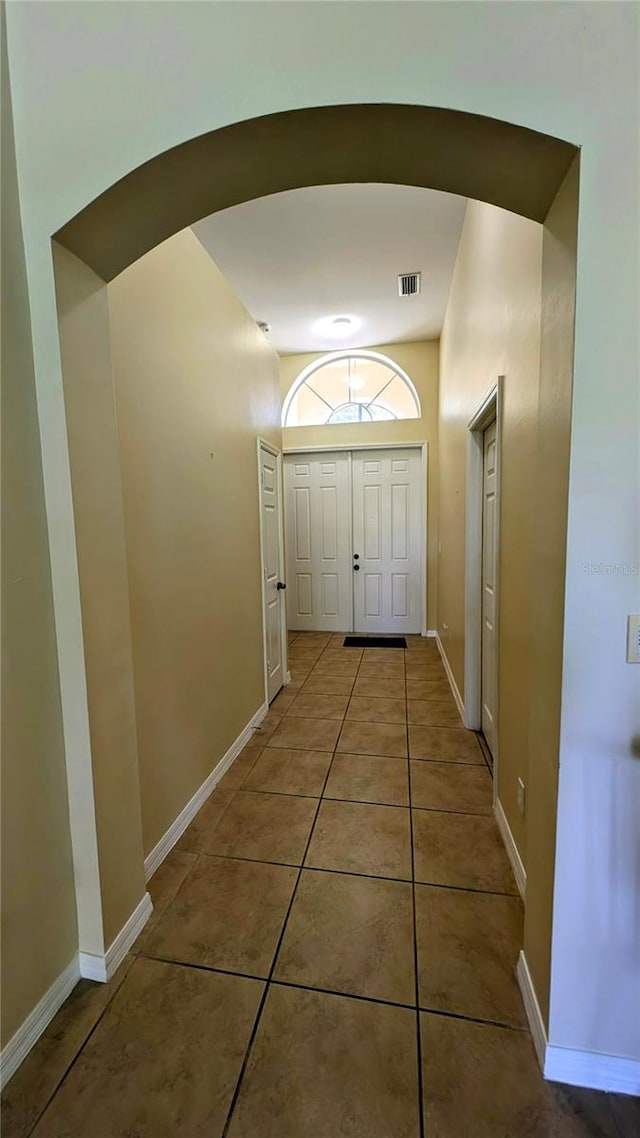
(314, 706)
(319, 638)
(242, 764)
(324, 1066)
(481, 1081)
(329, 684)
(446, 744)
(366, 778)
(28, 1092)
(264, 827)
(298, 674)
(197, 836)
(373, 739)
(370, 686)
(164, 885)
(283, 771)
(306, 734)
(283, 700)
(370, 670)
(345, 666)
(164, 1059)
(337, 642)
(377, 710)
(451, 786)
(383, 655)
(426, 670)
(462, 850)
(341, 655)
(468, 947)
(626, 1112)
(433, 713)
(358, 838)
(429, 689)
(350, 934)
(229, 915)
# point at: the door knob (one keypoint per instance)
(281, 585)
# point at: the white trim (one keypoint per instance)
(450, 676)
(591, 1069)
(262, 444)
(287, 678)
(102, 968)
(344, 354)
(29, 1032)
(186, 815)
(413, 445)
(432, 632)
(489, 409)
(519, 872)
(532, 1008)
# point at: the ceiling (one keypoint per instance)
(300, 257)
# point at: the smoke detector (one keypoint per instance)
(264, 327)
(409, 284)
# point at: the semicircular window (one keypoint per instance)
(350, 387)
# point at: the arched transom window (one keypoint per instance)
(350, 387)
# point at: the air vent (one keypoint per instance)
(409, 284)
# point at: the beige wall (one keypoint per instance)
(492, 328)
(196, 382)
(420, 361)
(39, 933)
(114, 797)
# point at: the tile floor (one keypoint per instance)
(332, 949)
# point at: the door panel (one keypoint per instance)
(318, 513)
(387, 535)
(489, 572)
(271, 521)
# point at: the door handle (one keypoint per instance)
(281, 585)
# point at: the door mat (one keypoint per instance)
(375, 642)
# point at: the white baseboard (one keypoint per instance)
(532, 1008)
(186, 816)
(102, 968)
(519, 872)
(30, 1031)
(287, 677)
(591, 1069)
(432, 632)
(447, 667)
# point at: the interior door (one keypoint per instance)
(272, 569)
(489, 574)
(387, 540)
(318, 513)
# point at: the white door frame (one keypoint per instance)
(286, 675)
(489, 409)
(423, 447)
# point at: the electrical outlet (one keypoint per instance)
(633, 638)
(521, 796)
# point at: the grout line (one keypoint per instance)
(415, 941)
(254, 1031)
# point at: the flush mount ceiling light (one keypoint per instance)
(337, 327)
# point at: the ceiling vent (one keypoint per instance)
(409, 284)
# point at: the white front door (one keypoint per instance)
(318, 512)
(387, 540)
(489, 575)
(272, 568)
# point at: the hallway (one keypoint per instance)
(264, 999)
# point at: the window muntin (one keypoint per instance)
(351, 387)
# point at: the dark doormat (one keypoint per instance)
(375, 642)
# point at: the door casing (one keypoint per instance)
(262, 444)
(489, 409)
(399, 445)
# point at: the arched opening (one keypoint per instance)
(495, 162)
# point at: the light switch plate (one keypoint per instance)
(633, 638)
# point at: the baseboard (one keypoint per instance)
(287, 678)
(447, 667)
(186, 816)
(519, 872)
(37, 1021)
(102, 968)
(592, 1069)
(532, 1008)
(432, 632)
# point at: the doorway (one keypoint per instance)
(482, 556)
(356, 540)
(272, 559)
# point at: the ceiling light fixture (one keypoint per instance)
(338, 327)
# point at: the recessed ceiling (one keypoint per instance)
(299, 258)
